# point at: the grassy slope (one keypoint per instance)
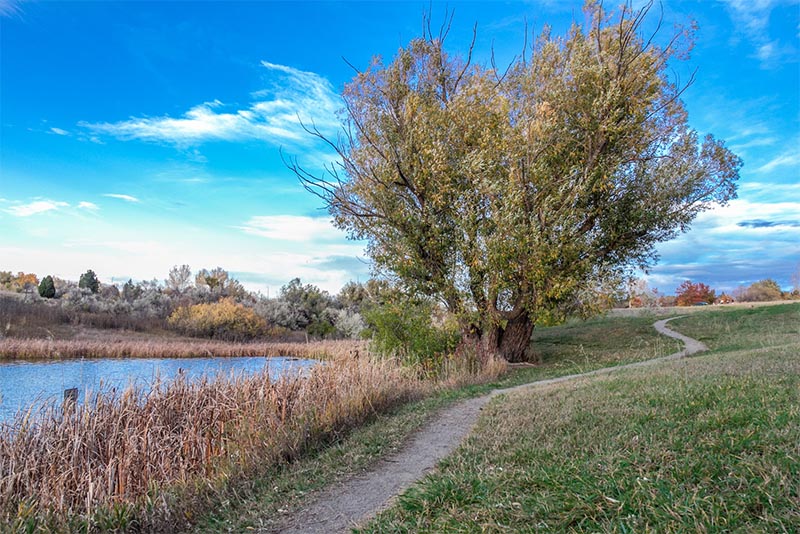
(709, 444)
(568, 349)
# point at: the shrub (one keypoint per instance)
(47, 289)
(89, 281)
(407, 330)
(761, 291)
(218, 320)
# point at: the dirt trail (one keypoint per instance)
(351, 502)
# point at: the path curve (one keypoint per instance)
(349, 503)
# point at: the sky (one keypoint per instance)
(135, 136)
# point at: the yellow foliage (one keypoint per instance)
(220, 320)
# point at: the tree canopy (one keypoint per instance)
(512, 195)
(689, 294)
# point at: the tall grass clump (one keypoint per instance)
(149, 461)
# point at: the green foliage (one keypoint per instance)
(47, 288)
(131, 291)
(89, 281)
(225, 320)
(405, 328)
(507, 196)
(306, 306)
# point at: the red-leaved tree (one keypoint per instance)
(690, 294)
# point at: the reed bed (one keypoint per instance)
(147, 461)
(38, 349)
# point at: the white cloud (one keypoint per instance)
(126, 198)
(746, 241)
(783, 160)
(274, 116)
(292, 228)
(132, 253)
(37, 206)
(85, 205)
(751, 17)
(58, 131)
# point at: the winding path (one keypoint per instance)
(351, 502)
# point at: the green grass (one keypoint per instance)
(744, 328)
(707, 444)
(572, 348)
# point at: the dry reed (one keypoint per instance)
(37, 349)
(146, 459)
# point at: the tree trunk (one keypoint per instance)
(515, 339)
(510, 342)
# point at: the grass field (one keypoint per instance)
(707, 444)
(572, 348)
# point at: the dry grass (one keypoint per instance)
(37, 349)
(73, 467)
(151, 461)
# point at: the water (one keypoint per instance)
(23, 383)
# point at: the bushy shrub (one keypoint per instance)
(21, 282)
(47, 289)
(89, 281)
(761, 291)
(406, 329)
(218, 320)
(348, 323)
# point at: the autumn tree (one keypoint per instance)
(762, 291)
(689, 294)
(511, 195)
(225, 320)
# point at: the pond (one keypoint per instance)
(25, 382)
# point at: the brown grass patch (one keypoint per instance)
(36, 349)
(150, 461)
(155, 456)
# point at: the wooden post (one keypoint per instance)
(71, 395)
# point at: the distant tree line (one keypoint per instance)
(211, 303)
(639, 294)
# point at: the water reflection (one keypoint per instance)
(23, 383)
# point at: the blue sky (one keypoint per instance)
(136, 136)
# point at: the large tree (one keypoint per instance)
(511, 195)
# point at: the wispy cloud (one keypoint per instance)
(9, 8)
(786, 159)
(274, 115)
(37, 206)
(126, 198)
(761, 223)
(58, 131)
(292, 228)
(85, 205)
(737, 244)
(751, 18)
